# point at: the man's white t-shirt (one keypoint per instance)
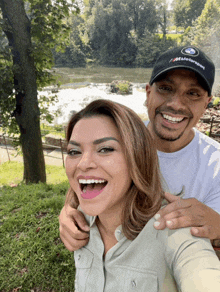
(195, 168)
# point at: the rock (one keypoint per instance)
(121, 87)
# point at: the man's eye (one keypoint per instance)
(106, 150)
(165, 89)
(194, 95)
(73, 152)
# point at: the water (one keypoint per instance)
(100, 74)
(71, 99)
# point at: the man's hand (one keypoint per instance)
(205, 222)
(74, 231)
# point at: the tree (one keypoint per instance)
(162, 16)
(31, 34)
(150, 47)
(186, 11)
(205, 31)
(109, 33)
(77, 51)
(142, 14)
(114, 27)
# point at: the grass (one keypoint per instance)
(11, 173)
(32, 256)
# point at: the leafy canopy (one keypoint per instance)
(49, 30)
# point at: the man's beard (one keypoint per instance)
(166, 138)
(169, 110)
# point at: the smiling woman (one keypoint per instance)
(114, 178)
(103, 140)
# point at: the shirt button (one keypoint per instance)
(79, 257)
(133, 283)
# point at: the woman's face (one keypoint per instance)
(96, 166)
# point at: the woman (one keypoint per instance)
(113, 173)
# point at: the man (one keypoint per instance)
(177, 96)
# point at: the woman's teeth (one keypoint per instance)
(172, 119)
(91, 181)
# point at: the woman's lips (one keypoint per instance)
(92, 187)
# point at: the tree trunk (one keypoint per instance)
(17, 28)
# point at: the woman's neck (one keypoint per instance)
(107, 226)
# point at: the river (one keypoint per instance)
(80, 86)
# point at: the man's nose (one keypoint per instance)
(87, 162)
(176, 101)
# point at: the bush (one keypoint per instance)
(121, 87)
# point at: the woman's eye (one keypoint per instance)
(106, 150)
(73, 152)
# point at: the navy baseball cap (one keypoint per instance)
(186, 57)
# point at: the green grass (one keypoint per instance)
(174, 36)
(11, 172)
(32, 256)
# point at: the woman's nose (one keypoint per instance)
(87, 162)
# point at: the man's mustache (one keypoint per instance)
(172, 111)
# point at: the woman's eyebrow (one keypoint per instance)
(74, 143)
(98, 141)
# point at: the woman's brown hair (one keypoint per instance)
(144, 197)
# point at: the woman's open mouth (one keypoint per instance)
(91, 188)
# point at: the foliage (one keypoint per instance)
(162, 16)
(112, 28)
(77, 50)
(205, 31)
(121, 87)
(150, 47)
(187, 11)
(142, 15)
(124, 88)
(32, 256)
(49, 29)
(173, 36)
(109, 34)
(216, 101)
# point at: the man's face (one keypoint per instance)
(175, 105)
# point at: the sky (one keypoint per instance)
(169, 3)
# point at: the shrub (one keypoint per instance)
(121, 87)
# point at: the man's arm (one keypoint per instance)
(74, 231)
(203, 220)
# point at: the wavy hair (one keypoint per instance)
(145, 195)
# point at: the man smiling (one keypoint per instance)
(177, 96)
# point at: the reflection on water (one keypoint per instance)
(102, 74)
